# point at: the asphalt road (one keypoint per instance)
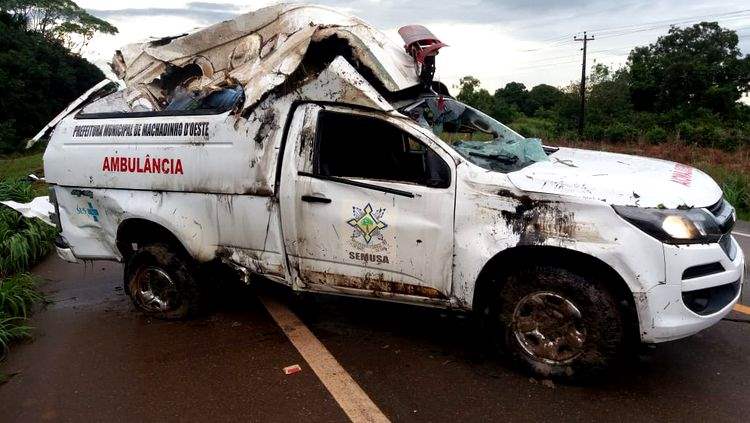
(95, 358)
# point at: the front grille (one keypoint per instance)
(710, 300)
(702, 270)
(724, 214)
(716, 208)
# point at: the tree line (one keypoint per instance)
(41, 70)
(685, 86)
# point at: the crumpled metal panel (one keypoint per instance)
(260, 50)
(235, 155)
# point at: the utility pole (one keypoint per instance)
(582, 115)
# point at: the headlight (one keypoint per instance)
(689, 226)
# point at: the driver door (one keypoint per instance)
(367, 205)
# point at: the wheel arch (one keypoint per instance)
(144, 231)
(581, 263)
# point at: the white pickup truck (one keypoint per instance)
(301, 144)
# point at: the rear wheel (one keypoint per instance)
(160, 282)
(556, 322)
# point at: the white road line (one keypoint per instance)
(350, 396)
(741, 234)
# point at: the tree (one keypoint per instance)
(472, 95)
(480, 99)
(38, 78)
(690, 68)
(609, 95)
(544, 97)
(515, 94)
(60, 20)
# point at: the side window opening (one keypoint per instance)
(364, 147)
(182, 101)
(220, 99)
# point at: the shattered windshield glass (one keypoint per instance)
(476, 136)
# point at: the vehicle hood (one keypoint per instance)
(618, 179)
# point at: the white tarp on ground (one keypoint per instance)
(39, 207)
(259, 50)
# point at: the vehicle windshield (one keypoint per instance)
(477, 137)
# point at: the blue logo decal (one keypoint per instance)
(90, 211)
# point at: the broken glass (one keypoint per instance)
(218, 100)
(476, 136)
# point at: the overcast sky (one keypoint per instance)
(530, 41)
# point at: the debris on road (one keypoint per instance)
(290, 370)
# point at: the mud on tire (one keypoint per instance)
(161, 283)
(556, 323)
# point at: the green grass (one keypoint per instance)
(19, 167)
(12, 329)
(531, 127)
(23, 242)
(736, 187)
(16, 190)
(17, 295)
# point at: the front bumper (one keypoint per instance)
(702, 286)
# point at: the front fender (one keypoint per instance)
(491, 219)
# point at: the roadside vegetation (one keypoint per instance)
(677, 99)
(23, 242)
(41, 72)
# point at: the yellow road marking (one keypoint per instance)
(349, 395)
(742, 308)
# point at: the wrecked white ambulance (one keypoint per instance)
(300, 144)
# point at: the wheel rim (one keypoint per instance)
(154, 290)
(549, 327)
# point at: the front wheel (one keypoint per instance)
(161, 284)
(557, 323)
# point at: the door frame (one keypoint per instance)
(401, 123)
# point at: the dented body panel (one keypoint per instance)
(619, 179)
(493, 216)
(244, 186)
(260, 50)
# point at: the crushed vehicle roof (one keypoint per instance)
(258, 50)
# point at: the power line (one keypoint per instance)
(667, 22)
(610, 32)
(656, 27)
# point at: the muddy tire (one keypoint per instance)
(556, 323)
(160, 281)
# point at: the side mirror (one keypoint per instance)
(34, 178)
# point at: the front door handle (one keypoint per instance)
(315, 199)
